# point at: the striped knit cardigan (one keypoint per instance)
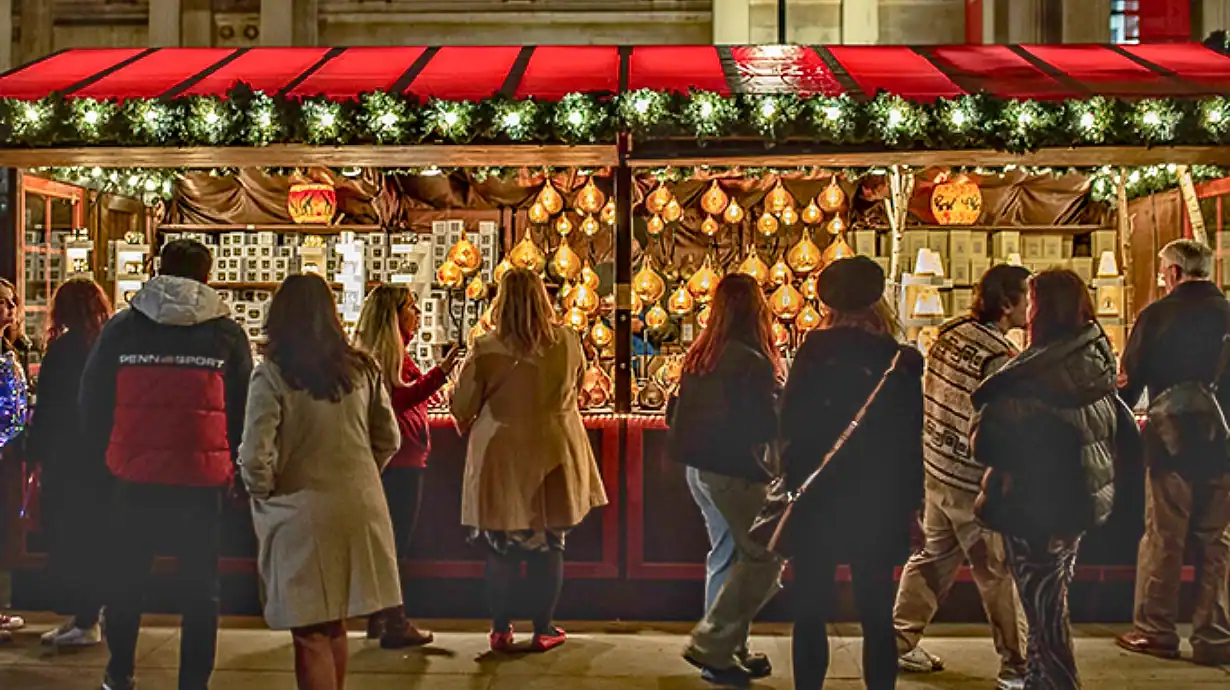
(965, 353)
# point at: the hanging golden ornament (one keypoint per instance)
(808, 319)
(702, 318)
(538, 214)
(681, 301)
(811, 287)
(596, 386)
(638, 305)
(608, 212)
(836, 226)
(449, 275)
(832, 199)
(658, 199)
(527, 255)
(673, 211)
(789, 216)
(704, 282)
(656, 317)
(550, 199)
(601, 334)
(837, 249)
(465, 255)
(734, 213)
(477, 289)
(590, 226)
(589, 278)
(755, 268)
(767, 224)
(786, 302)
(778, 199)
(647, 283)
(576, 320)
(563, 226)
(590, 199)
(501, 268)
(714, 200)
(780, 274)
(805, 256)
(655, 226)
(812, 214)
(566, 264)
(781, 335)
(584, 298)
(709, 226)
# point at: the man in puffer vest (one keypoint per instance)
(162, 399)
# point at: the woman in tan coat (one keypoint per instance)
(530, 472)
(319, 429)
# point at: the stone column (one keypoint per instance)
(1023, 20)
(860, 21)
(306, 25)
(277, 22)
(37, 22)
(197, 23)
(732, 22)
(6, 34)
(1086, 21)
(164, 23)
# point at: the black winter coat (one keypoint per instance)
(861, 506)
(725, 421)
(1048, 421)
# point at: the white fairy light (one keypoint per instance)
(387, 120)
(1152, 119)
(1024, 119)
(91, 117)
(512, 120)
(576, 118)
(327, 120)
(1215, 116)
(706, 110)
(641, 104)
(450, 118)
(151, 115)
(832, 112)
(895, 117)
(32, 114)
(958, 118)
(1087, 121)
(768, 109)
(211, 118)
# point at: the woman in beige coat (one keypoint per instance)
(530, 472)
(319, 429)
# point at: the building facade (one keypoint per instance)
(38, 27)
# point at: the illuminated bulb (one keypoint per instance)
(590, 199)
(673, 211)
(714, 200)
(655, 226)
(805, 256)
(327, 120)
(734, 213)
(702, 318)
(538, 214)
(781, 336)
(590, 226)
(388, 119)
(589, 278)
(832, 112)
(833, 197)
(450, 118)
(1087, 121)
(550, 199)
(584, 298)
(837, 249)
(563, 226)
(566, 264)
(1215, 116)
(658, 199)
(1024, 119)
(811, 287)
(812, 214)
(1152, 119)
(709, 226)
(789, 216)
(656, 317)
(477, 289)
(895, 117)
(681, 301)
(575, 118)
(808, 319)
(265, 119)
(91, 117)
(503, 267)
(150, 115)
(527, 255)
(465, 255)
(768, 109)
(706, 110)
(836, 226)
(641, 105)
(512, 120)
(780, 274)
(777, 199)
(608, 212)
(576, 320)
(958, 118)
(31, 113)
(449, 275)
(767, 224)
(601, 335)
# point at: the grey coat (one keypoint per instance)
(313, 469)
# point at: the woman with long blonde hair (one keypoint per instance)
(388, 322)
(530, 473)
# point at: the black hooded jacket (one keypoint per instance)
(1048, 420)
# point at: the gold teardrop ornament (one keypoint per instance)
(601, 334)
(832, 199)
(576, 320)
(589, 278)
(563, 226)
(836, 226)
(702, 318)
(808, 319)
(590, 226)
(805, 256)
(767, 224)
(780, 274)
(812, 214)
(703, 282)
(638, 304)
(647, 284)
(477, 289)
(501, 268)
(789, 216)
(596, 385)
(709, 226)
(734, 213)
(449, 275)
(590, 199)
(837, 249)
(608, 212)
(585, 299)
(681, 301)
(550, 199)
(778, 199)
(527, 255)
(658, 199)
(655, 226)
(781, 335)
(656, 317)
(538, 214)
(754, 267)
(811, 287)
(673, 211)
(465, 255)
(566, 264)
(786, 302)
(714, 200)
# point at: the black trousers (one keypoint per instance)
(403, 489)
(76, 514)
(815, 596)
(184, 522)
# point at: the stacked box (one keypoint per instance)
(1031, 248)
(1102, 241)
(865, 242)
(1005, 243)
(1083, 266)
(960, 272)
(962, 301)
(911, 242)
(978, 265)
(978, 244)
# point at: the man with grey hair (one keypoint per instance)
(1177, 340)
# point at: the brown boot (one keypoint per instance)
(400, 633)
(1141, 643)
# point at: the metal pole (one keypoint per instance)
(781, 22)
(623, 279)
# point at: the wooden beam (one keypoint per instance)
(302, 155)
(1090, 156)
(1194, 215)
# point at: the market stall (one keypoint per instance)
(634, 178)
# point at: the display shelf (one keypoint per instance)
(1076, 229)
(288, 228)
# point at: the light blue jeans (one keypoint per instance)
(721, 545)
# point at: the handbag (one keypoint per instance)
(1187, 416)
(770, 529)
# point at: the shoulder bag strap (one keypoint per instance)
(850, 428)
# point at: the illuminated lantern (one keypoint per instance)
(563, 226)
(585, 299)
(755, 268)
(778, 199)
(789, 216)
(832, 199)
(837, 249)
(590, 199)
(608, 212)
(449, 275)
(767, 224)
(681, 301)
(577, 320)
(714, 200)
(658, 199)
(805, 256)
(501, 268)
(734, 213)
(465, 255)
(601, 334)
(836, 226)
(566, 264)
(703, 282)
(781, 336)
(673, 211)
(786, 302)
(638, 305)
(808, 319)
(709, 226)
(811, 287)
(655, 226)
(780, 274)
(812, 214)
(527, 255)
(702, 319)
(596, 385)
(477, 289)
(590, 226)
(312, 203)
(957, 202)
(656, 317)
(550, 199)
(589, 278)
(647, 284)
(538, 214)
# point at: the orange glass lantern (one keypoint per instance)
(755, 268)
(832, 199)
(709, 226)
(714, 200)
(312, 203)
(957, 202)
(550, 199)
(734, 213)
(703, 283)
(590, 199)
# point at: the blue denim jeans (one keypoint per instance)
(721, 545)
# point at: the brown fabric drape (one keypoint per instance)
(1155, 221)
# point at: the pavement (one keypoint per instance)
(598, 656)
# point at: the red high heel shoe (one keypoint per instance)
(502, 641)
(548, 641)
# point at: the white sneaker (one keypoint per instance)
(919, 660)
(1010, 683)
(80, 637)
(50, 636)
